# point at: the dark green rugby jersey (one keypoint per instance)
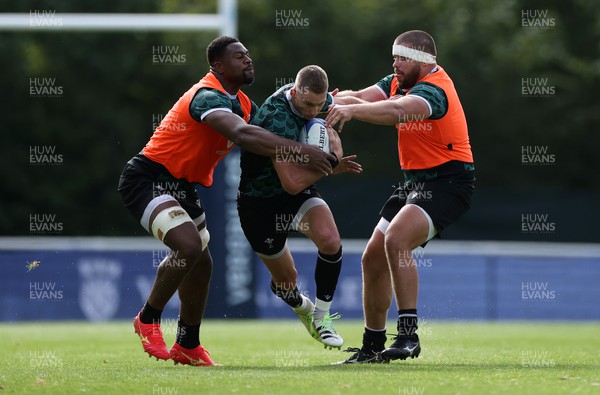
(208, 99)
(259, 177)
(435, 96)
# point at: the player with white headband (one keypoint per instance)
(414, 54)
(437, 164)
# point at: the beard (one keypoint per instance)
(410, 79)
(248, 77)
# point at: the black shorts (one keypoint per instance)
(144, 181)
(267, 222)
(445, 198)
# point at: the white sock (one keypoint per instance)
(305, 304)
(321, 309)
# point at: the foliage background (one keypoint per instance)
(112, 89)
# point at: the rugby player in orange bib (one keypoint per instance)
(437, 164)
(157, 187)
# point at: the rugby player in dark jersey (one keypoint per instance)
(277, 197)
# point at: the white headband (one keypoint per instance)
(419, 56)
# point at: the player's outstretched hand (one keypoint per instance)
(347, 165)
(318, 160)
(338, 113)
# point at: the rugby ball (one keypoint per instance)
(314, 132)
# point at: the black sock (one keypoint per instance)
(150, 315)
(327, 272)
(373, 340)
(188, 336)
(407, 322)
(290, 296)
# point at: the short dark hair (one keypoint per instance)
(312, 77)
(217, 46)
(418, 39)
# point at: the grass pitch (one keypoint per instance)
(279, 357)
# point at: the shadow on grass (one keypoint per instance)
(413, 367)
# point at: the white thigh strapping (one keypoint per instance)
(383, 224)
(204, 237)
(167, 219)
(204, 233)
(432, 231)
(154, 203)
(307, 205)
(200, 219)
